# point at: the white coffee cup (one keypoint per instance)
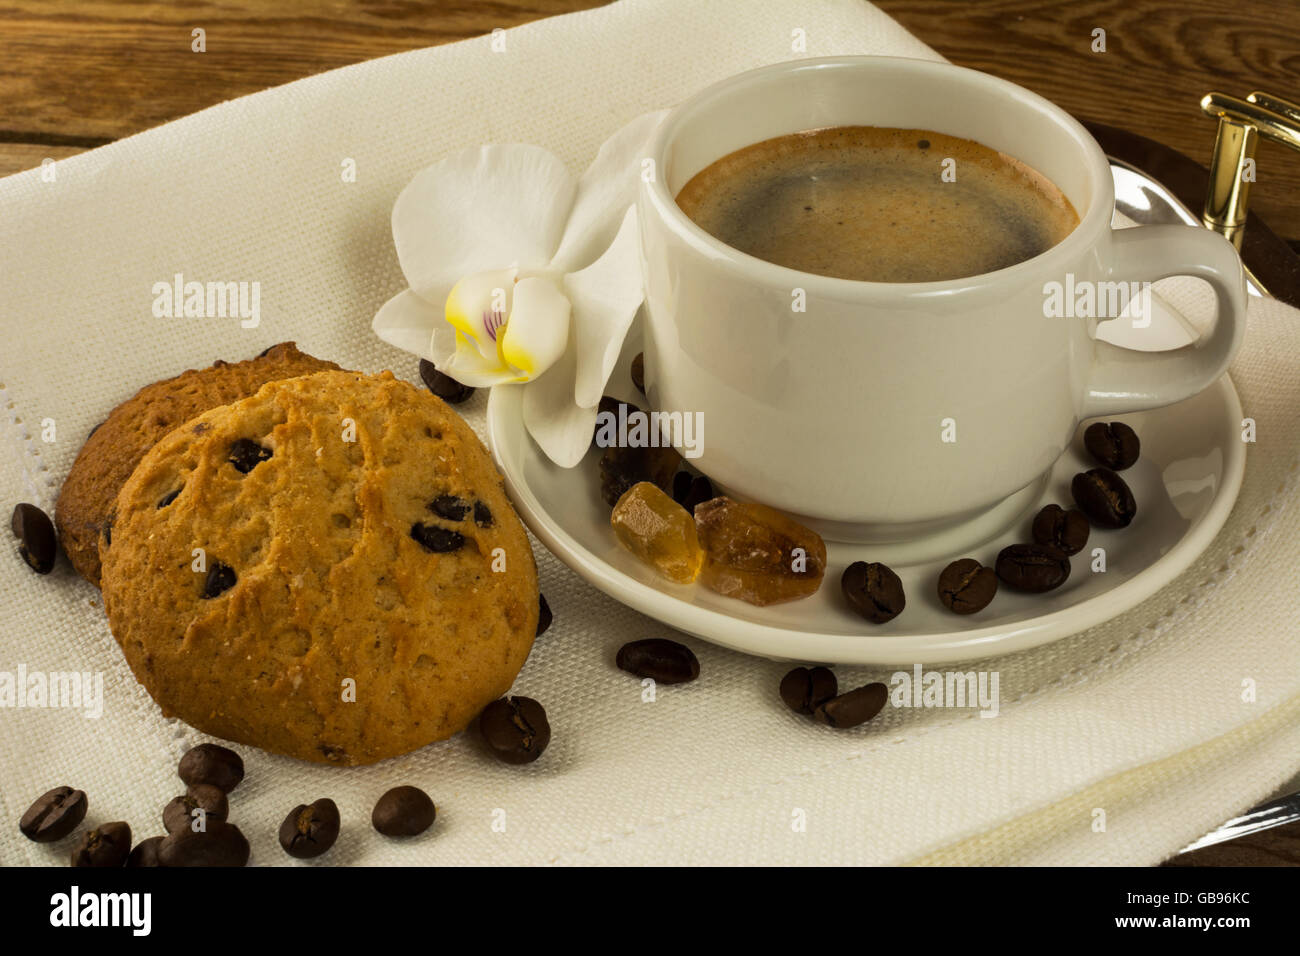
(839, 413)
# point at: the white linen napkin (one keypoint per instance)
(1142, 716)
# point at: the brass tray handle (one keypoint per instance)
(1241, 123)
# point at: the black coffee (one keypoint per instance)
(873, 203)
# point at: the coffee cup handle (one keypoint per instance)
(1125, 380)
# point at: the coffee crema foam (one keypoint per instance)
(870, 203)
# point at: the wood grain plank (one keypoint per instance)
(101, 70)
(16, 157)
(105, 70)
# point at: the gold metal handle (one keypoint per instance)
(1241, 123)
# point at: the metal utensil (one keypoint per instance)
(1275, 813)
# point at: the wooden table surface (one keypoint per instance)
(75, 75)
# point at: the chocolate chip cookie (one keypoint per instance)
(115, 447)
(329, 569)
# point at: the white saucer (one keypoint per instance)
(1185, 484)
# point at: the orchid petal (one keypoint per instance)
(561, 428)
(605, 297)
(480, 209)
(468, 366)
(607, 187)
(407, 322)
(538, 329)
(478, 306)
(443, 344)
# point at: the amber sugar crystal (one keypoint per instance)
(659, 531)
(757, 554)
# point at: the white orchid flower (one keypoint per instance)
(521, 276)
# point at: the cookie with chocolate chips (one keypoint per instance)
(116, 446)
(329, 569)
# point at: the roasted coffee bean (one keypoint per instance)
(515, 729)
(220, 844)
(436, 539)
(701, 491)
(24, 513)
(107, 845)
(220, 578)
(168, 498)
(311, 828)
(691, 490)
(266, 351)
(450, 507)
(966, 586)
(246, 454)
(682, 485)
(544, 616)
(1032, 567)
(403, 811)
(482, 515)
(181, 812)
(638, 372)
(874, 591)
(805, 689)
(444, 386)
(622, 466)
(145, 853)
(1113, 444)
(54, 815)
(1104, 497)
(852, 708)
(664, 661)
(212, 764)
(35, 533)
(1064, 530)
